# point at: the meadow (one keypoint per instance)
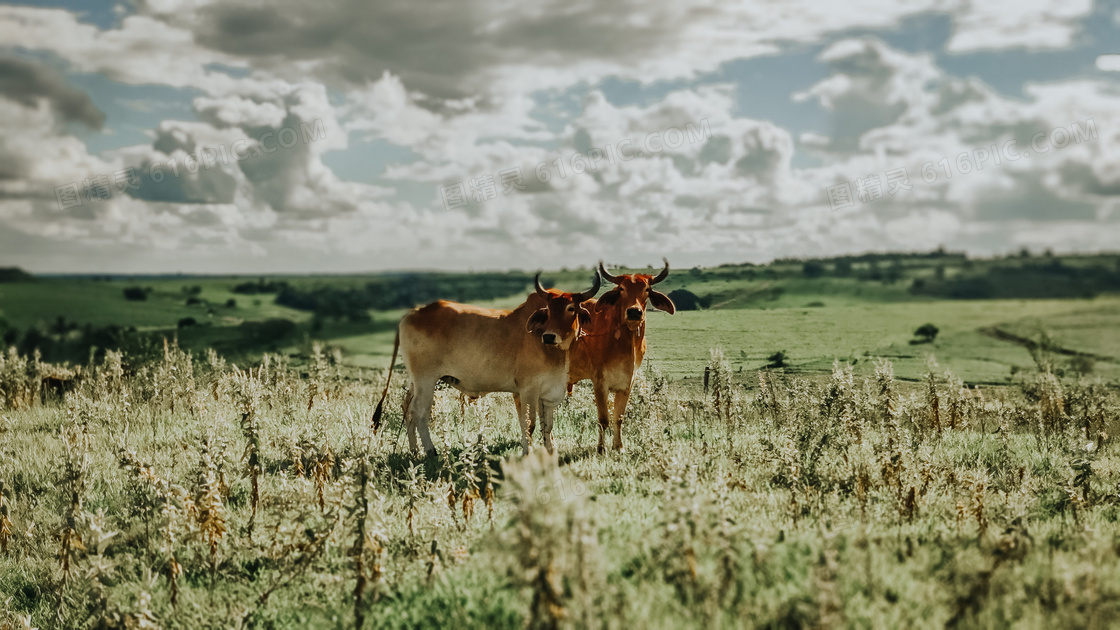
(870, 480)
(193, 493)
(989, 313)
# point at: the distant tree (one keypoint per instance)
(192, 290)
(14, 274)
(231, 303)
(135, 294)
(686, 300)
(939, 272)
(1081, 364)
(60, 326)
(358, 315)
(777, 360)
(187, 322)
(191, 301)
(259, 286)
(267, 331)
(33, 340)
(893, 273)
(927, 332)
(812, 269)
(843, 267)
(972, 289)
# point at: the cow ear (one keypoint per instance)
(610, 297)
(661, 302)
(537, 320)
(584, 316)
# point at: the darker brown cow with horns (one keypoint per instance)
(612, 347)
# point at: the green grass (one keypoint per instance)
(102, 303)
(755, 312)
(815, 337)
(787, 507)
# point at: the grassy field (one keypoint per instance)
(852, 309)
(870, 481)
(815, 337)
(188, 494)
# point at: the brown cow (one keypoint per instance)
(612, 347)
(480, 350)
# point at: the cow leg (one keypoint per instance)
(604, 417)
(407, 419)
(532, 417)
(424, 391)
(534, 409)
(525, 412)
(620, 400)
(408, 413)
(547, 411)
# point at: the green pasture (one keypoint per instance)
(752, 312)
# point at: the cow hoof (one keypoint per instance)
(621, 450)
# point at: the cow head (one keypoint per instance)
(632, 291)
(558, 323)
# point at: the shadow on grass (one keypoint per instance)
(434, 466)
(578, 454)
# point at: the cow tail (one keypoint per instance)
(376, 420)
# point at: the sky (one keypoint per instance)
(339, 136)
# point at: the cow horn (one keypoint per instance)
(540, 290)
(607, 276)
(588, 294)
(661, 276)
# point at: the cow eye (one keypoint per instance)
(571, 308)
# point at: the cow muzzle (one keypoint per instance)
(634, 314)
(550, 339)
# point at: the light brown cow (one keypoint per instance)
(481, 350)
(612, 347)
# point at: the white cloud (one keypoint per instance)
(1002, 24)
(143, 50)
(454, 83)
(1109, 63)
